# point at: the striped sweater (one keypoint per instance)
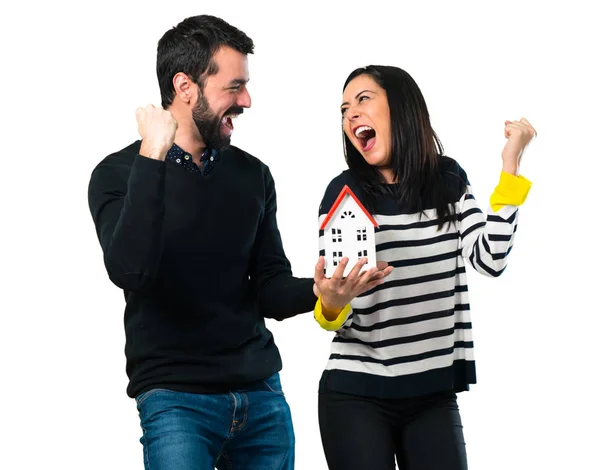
(412, 335)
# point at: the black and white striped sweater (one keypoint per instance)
(412, 335)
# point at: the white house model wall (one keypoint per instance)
(349, 233)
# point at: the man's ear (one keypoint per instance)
(185, 89)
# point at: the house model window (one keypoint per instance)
(348, 216)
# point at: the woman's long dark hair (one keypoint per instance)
(416, 149)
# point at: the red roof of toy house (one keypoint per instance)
(346, 190)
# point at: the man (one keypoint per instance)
(187, 224)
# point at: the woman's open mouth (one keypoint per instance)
(366, 136)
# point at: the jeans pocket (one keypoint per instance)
(273, 384)
(143, 396)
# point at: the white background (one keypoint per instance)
(72, 77)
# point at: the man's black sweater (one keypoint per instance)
(201, 263)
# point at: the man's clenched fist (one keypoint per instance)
(157, 128)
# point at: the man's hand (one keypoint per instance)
(519, 134)
(157, 128)
(338, 291)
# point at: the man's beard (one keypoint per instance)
(209, 124)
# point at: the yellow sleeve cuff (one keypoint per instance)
(511, 191)
(330, 325)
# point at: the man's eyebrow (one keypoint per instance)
(357, 95)
(238, 82)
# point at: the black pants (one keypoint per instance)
(362, 433)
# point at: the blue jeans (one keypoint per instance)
(248, 429)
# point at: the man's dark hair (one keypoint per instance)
(189, 48)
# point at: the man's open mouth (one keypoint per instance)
(227, 124)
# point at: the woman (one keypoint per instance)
(403, 349)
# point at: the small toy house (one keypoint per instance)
(349, 230)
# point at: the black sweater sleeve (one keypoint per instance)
(127, 205)
(280, 294)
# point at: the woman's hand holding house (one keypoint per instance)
(338, 291)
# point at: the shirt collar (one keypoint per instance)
(180, 157)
